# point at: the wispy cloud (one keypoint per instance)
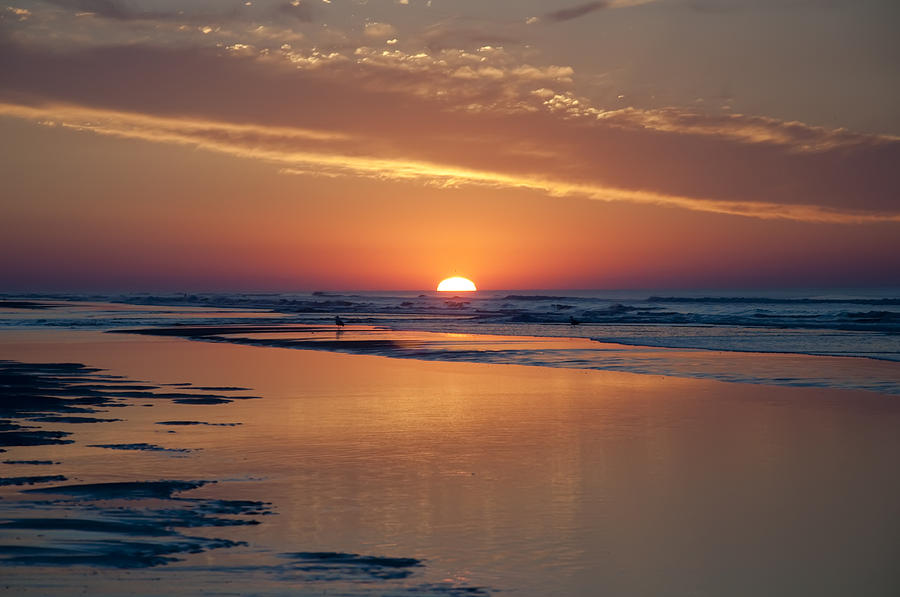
(574, 12)
(465, 33)
(452, 117)
(302, 11)
(379, 30)
(308, 152)
(118, 11)
(20, 14)
(580, 10)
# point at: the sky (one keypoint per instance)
(386, 144)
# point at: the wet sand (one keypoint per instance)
(367, 475)
(784, 369)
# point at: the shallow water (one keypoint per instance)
(797, 370)
(862, 323)
(864, 348)
(493, 478)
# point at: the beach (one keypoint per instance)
(274, 471)
(430, 298)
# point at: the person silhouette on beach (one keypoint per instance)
(338, 321)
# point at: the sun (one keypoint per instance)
(456, 284)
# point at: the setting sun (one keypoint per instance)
(456, 284)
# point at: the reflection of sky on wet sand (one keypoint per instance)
(577, 353)
(531, 480)
(105, 314)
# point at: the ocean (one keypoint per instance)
(628, 330)
(237, 444)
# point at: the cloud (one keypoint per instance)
(104, 8)
(20, 14)
(460, 33)
(115, 10)
(118, 11)
(322, 154)
(580, 10)
(574, 12)
(376, 29)
(296, 9)
(450, 118)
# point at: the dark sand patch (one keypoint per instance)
(94, 387)
(33, 438)
(228, 333)
(325, 564)
(54, 392)
(139, 446)
(34, 462)
(76, 530)
(147, 523)
(10, 426)
(149, 394)
(221, 388)
(184, 423)
(234, 507)
(60, 419)
(31, 480)
(106, 553)
(375, 573)
(64, 533)
(53, 389)
(201, 401)
(130, 490)
(85, 534)
(204, 331)
(83, 525)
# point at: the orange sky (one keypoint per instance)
(142, 153)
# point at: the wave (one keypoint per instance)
(773, 300)
(822, 324)
(875, 321)
(537, 297)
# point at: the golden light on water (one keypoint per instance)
(456, 284)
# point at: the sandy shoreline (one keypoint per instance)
(467, 477)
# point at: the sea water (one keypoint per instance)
(861, 325)
(197, 451)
